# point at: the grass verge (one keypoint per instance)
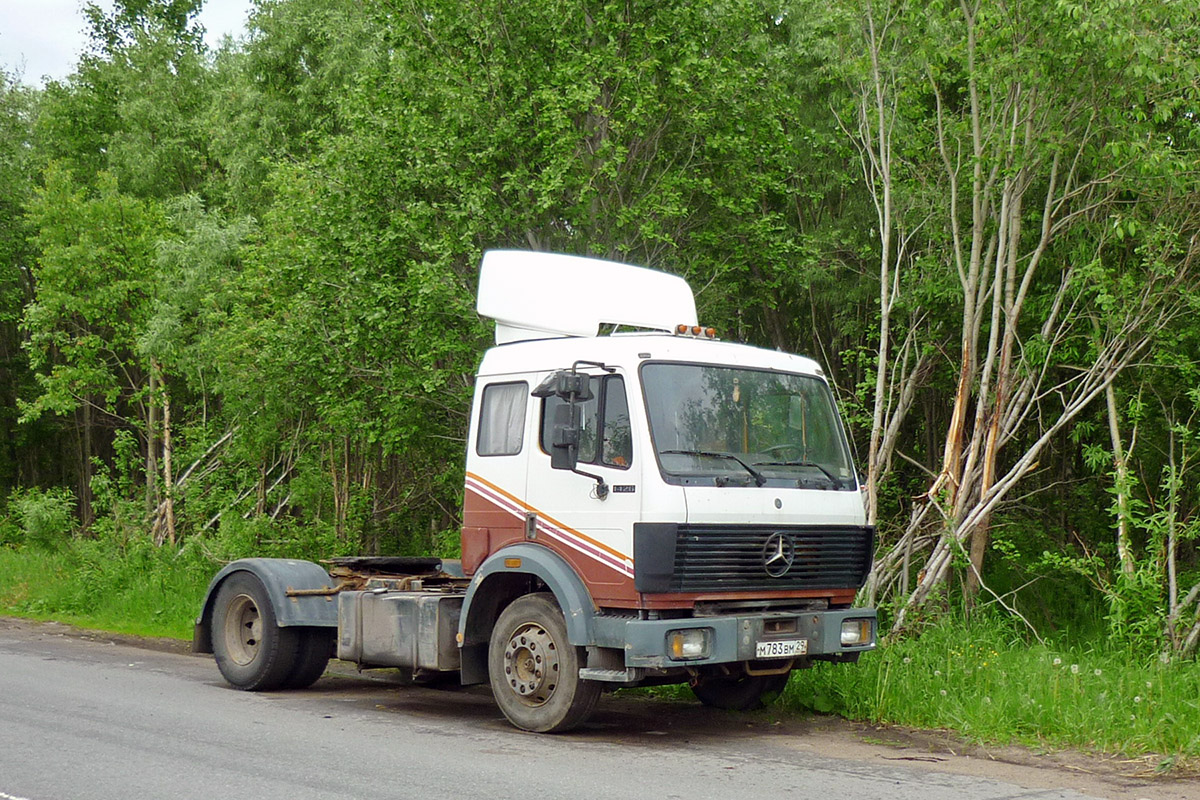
(144, 591)
(988, 684)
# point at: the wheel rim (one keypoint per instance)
(243, 630)
(531, 664)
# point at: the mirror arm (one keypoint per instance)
(600, 364)
(601, 486)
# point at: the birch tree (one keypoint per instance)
(1048, 159)
(878, 63)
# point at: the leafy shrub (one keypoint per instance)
(10, 531)
(44, 517)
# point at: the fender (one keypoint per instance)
(534, 560)
(278, 575)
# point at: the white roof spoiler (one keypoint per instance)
(545, 295)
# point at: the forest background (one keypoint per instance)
(237, 293)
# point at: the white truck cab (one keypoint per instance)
(648, 506)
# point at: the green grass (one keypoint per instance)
(144, 591)
(986, 683)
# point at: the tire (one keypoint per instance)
(252, 652)
(312, 656)
(534, 670)
(740, 693)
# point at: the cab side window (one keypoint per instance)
(606, 437)
(502, 419)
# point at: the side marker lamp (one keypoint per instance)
(698, 331)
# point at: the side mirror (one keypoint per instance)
(572, 387)
(564, 439)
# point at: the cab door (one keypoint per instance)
(497, 452)
(590, 524)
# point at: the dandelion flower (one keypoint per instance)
(943, 692)
(987, 701)
(937, 673)
(1074, 669)
(1058, 662)
(1149, 685)
(1097, 672)
(1137, 698)
(907, 660)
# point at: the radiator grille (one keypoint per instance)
(727, 558)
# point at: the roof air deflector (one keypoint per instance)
(545, 295)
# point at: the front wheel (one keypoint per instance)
(252, 652)
(534, 670)
(738, 693)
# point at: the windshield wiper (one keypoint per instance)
(814, 464)
(759, 478)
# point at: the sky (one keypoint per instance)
(45, 37)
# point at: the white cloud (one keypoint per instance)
(40, 38)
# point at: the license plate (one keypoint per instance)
(786, 648)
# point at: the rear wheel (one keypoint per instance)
(252, 652)
(740, 692)
(312, 656)
(534, 670)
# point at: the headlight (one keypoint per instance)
(688, 644)
(856, 632)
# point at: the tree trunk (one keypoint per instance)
(86, 449)
(1121, 470)
(168, 477)
(152, 499)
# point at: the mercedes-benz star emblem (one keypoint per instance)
(778, 554)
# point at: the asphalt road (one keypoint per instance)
(88, 719)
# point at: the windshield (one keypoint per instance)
(716, 425)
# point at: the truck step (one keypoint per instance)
(630, 675)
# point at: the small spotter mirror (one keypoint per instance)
(567, 384)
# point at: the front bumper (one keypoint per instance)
(734, 638)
